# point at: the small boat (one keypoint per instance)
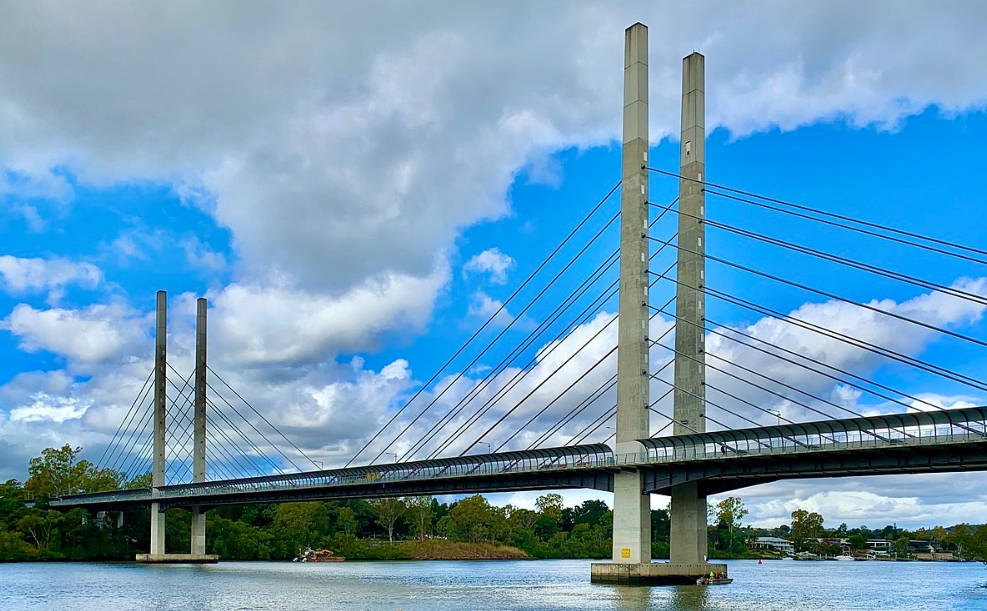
(319, 555)
(713, 581)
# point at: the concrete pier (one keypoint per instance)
(688, 506)
(652, 573)
(160, 425)
(177, 558)
(632, 510)
(198, 531)
(198, 534)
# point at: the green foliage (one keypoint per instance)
(346, 522)
(300, 525)
(470, 528)
(475, 521)
(420, 514)
(234, 540)
(976, 544)
(56, 473)
(388, 512)
(805, 526)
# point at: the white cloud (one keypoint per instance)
(263, 323)
(315, 143)
(493, 262)
(98, 333)
(31, 275)
(201, 256)
(911, 501)
(48, 408)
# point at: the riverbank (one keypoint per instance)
(430, 549)
(451, 550)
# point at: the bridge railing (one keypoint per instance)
(918, 428)
(939, 428)
(507, 463)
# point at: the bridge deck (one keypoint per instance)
(950, 440)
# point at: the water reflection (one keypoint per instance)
(660, 598)
(689, 598)
(633, 598)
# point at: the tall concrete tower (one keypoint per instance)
(688, 508)
(632, 510)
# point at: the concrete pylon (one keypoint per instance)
(688, 507)
(632, 510)
(160, 424)
(198, 543)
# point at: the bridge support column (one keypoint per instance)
(157, 531)
(631, 508)
(688, 525)
(198, 536)
(688, 506)
(160, 424)
(198, 543)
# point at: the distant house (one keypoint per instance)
(774, 543)
(920, 547)
(880, 545)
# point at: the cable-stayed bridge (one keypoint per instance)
(666, 397)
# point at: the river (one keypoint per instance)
(545, 585)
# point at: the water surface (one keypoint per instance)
(549, 585)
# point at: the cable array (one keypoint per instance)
(781, 390)
(454, 417)
(469, 408)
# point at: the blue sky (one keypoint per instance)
(354, 212)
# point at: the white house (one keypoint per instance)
(776, 543)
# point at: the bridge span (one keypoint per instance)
(916, 442)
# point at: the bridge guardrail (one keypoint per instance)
(485, 465)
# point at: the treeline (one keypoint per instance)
(367, 529)
(277, 531)
(808, 534)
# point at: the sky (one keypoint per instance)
(357, 188)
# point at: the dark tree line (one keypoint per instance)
(370, 528)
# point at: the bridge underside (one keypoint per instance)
(714, 475)
(598, 479)
(717, 476)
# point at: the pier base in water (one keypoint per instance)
(177, 558)
(653, 573)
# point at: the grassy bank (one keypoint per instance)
(433, 549)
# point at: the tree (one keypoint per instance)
(730, 512)
(550, 506)
(301, 524)
(474, 520)
(858, 542)
(976, 544)
(959, 537)
(388, 512)
(420, 512)
(525, 518)
(346, 521)
(56, 473)
(901, 546)
(590, 512)
(40, 527)
(805, 526)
